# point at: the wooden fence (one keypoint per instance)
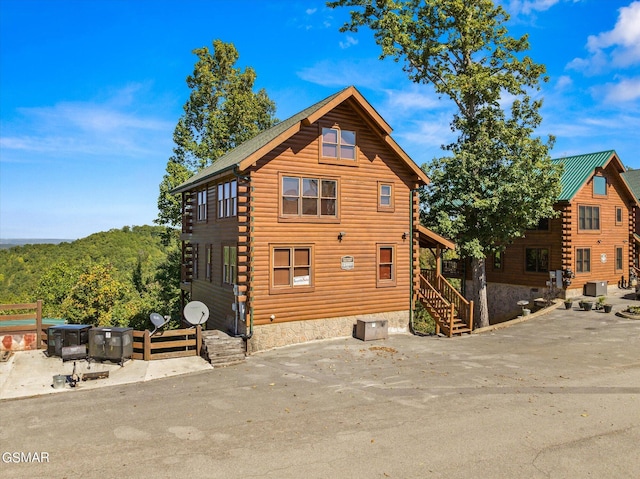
(21, 311)
(175, 343)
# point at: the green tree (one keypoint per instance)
(93, 298)
(222, 112)
(498, 179)
(54, 286)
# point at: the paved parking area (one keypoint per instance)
(557, 396)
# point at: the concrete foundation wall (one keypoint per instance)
(270, 336)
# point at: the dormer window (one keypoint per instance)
(338, 144)
(599, 185)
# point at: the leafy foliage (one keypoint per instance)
(222, 112)
(498, 179)
(111, 278)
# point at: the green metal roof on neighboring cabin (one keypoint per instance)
(632, 177)
(578, 170)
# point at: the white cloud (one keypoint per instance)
(311, 11)
(412, 99)
(365, 73)
(563, 82)
(110, 128)
(626, 90)
(619, 47)
(526, 7)
(349, 42)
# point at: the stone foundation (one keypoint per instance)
(270, 336)
(503, 300)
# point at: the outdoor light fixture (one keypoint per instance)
(341, 235)
(405, 235)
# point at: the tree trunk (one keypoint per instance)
(481, 308)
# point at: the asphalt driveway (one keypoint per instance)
(554, 397)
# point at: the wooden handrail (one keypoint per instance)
(463, 306)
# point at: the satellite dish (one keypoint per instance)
(158, 321)
(196, 312)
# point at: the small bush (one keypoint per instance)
(422, 320)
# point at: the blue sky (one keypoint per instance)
(90, 91)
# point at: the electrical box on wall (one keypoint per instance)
(371, 329)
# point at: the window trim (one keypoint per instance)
(337, 160)
(201, 205)
(538, 271)
(300, 218)
(619, 209)
(291, 289)
(391, 207)
(615, 258)
(581, 262)
(229, 271)
(582, 229)
(226, 201)
(593, 186)
(387, 283)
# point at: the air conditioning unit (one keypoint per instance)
(66, 335)
(371, 329)
(111, 344)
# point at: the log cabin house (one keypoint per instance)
(632, 178)
(588, 246)
(305, 228)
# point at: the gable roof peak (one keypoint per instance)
(244, 155)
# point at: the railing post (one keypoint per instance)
(146, 355)
(198, 339)
(38, 324)
(471, 315)
(451, 321)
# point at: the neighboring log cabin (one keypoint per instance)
(307, 227)
(591, 239)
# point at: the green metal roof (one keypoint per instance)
(235, 156)
(632, 177)
(578, 169)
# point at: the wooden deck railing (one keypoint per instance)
(24, 311)
(440, 306)
(175, 343)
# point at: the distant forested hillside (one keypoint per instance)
(111, 278)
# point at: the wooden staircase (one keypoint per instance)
(451, 311)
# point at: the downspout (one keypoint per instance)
(411, 291)
(246, 336)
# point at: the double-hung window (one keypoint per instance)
(202, 205)
(309, 197)
(291, 268)
(227, 199)
(589, 217)
(229, 264)
(583, 260)
(385, 196)
(386, 267)
(338, 144)
(619, 256)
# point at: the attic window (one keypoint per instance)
(599, 185)
(338, 144)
